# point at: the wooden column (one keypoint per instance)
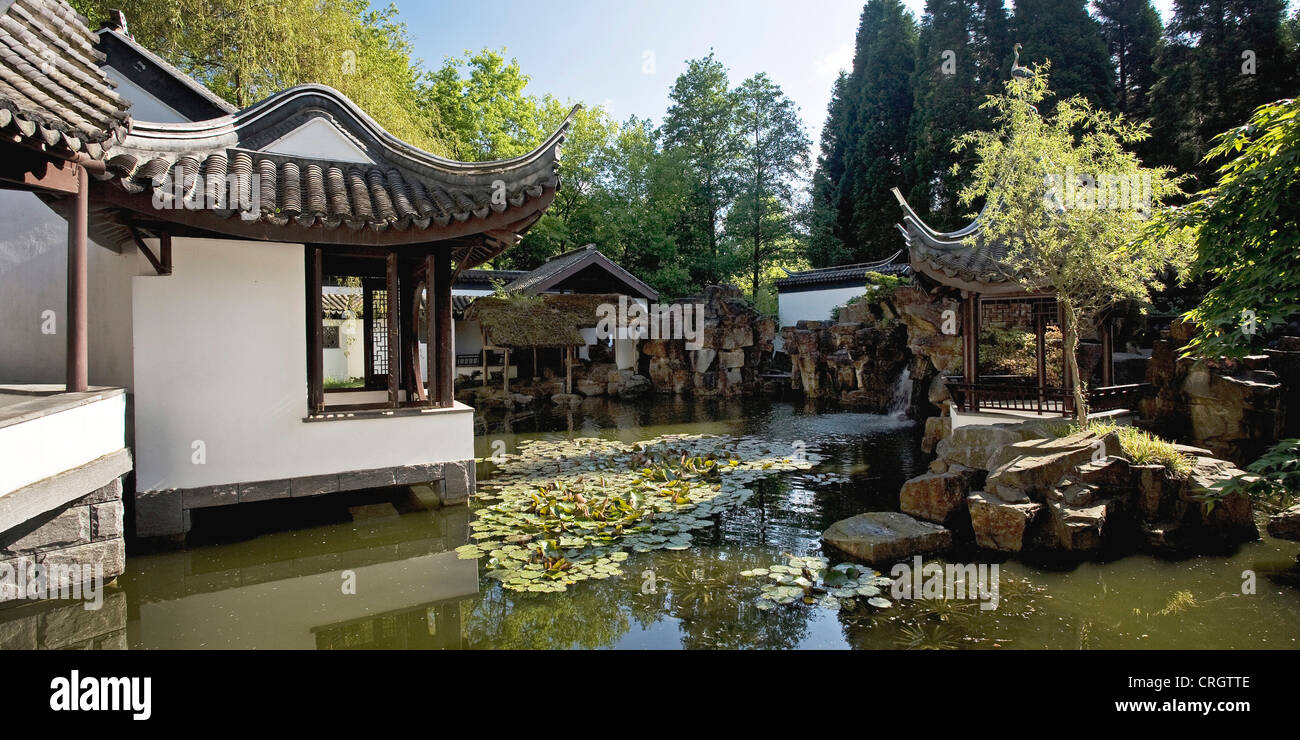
(483, 348)
(970, 348)
(315, 332)
(1040, 356)
(394, 333)
(78, 362)
(440, 313)
(568, 369)
(430, 332)
(1107, 352)
(505, 370)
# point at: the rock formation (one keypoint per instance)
(1232, 407)
(734, 344)
(1021, 487)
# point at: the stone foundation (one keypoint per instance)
(166, 512)
(68, 543)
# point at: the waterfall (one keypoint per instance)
(902, 395)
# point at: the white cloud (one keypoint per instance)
(829, 66)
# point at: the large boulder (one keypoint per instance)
(977, 446)
(1079, 528)
(635, 387)
(936, 497)
(1034, 467)
(1285, 525)
(999, 525)
(886, 536)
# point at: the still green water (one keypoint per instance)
(248, 582)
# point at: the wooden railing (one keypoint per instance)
(475, 359)
(1011, 393)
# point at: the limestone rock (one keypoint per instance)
(1036, 466)
(886, 536)
(1285, 525)
(936, 428)
(935, 497)
(1079, 528)
(999, 525)
(635, 387)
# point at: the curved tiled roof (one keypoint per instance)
(53, 95)
(840, 274)
(217, 165)
(951, 257)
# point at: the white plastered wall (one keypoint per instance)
(220, 350)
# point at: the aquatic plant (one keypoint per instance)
(808, 580)
(567, 511)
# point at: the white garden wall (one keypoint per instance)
(221, 367)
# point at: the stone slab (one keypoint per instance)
(886, 536)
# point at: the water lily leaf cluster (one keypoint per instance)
(564, 511)
(811, 580)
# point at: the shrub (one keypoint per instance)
(1139, 446)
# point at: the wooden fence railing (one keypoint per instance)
(1022, 394)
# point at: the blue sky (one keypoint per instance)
(626, 54)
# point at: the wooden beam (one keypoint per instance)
(161, 266)
(315, 332)
(394, 332)
(32, 171)
(77, 355)
(441, 314)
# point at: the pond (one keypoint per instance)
(380, 578)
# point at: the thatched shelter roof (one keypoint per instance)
(545, 320)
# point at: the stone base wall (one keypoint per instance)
(166, 512)
(63, 626)
(86, 532)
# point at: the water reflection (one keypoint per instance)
(250, 581)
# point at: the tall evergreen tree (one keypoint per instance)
(1062, 31)
(960, 54)
(864, 144)
(1131, 30)
(828, 218)
(1221, 59)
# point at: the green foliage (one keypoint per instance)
(1011, 351)
(881, 287)
(962, 55)
(1090, 248)
(772, 163)
(1272, 481)
(247, 50)
(809, 581)
(1204, 88)
(1062, 32)
(1139, 446)
(1247, 233)
(1131, 29)
(864, 142)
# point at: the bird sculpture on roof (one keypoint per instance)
(1016, 69)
